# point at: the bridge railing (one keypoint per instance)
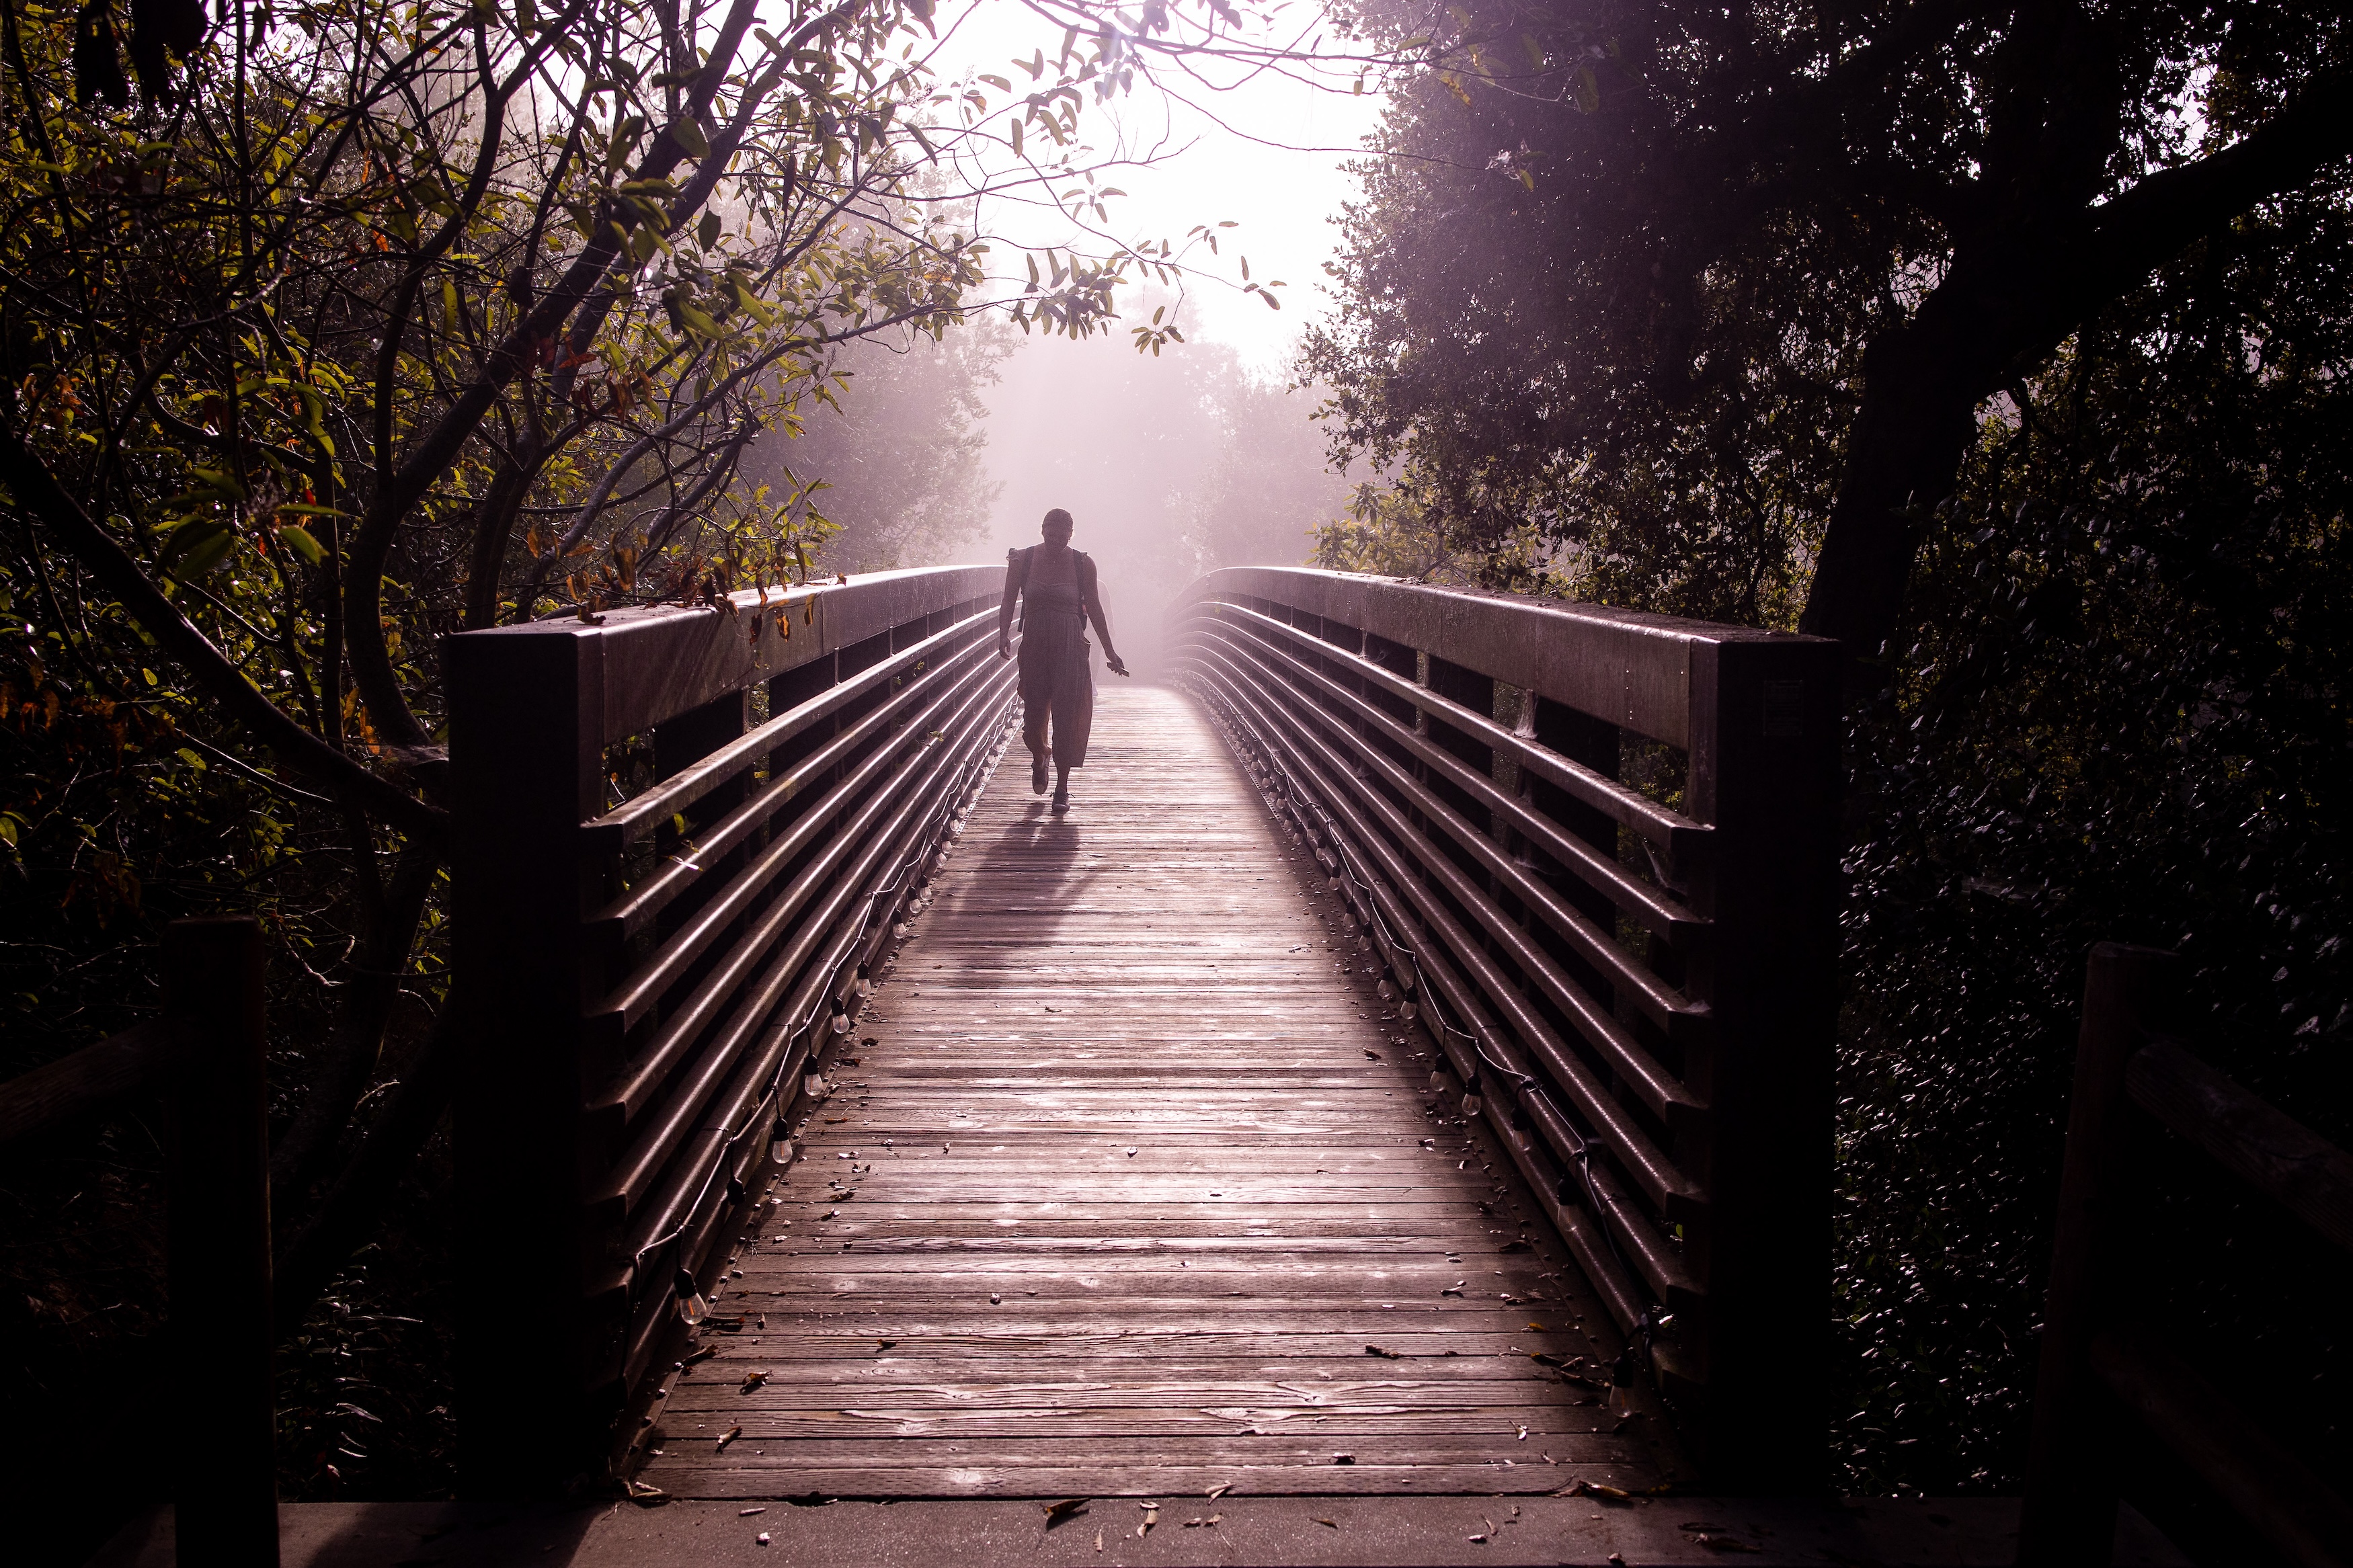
(684, 838)
(205, 1060)
(1596, 852)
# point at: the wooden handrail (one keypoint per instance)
(205, 1060)
(2095, 1363)
(140, 1060)
(2246, 1135)
(1456, 757)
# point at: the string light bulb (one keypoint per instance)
(865, 981)
(780, 1142)
(691, 1306)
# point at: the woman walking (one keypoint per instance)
(1056, 681)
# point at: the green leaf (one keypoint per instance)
(189, 756)
(191, 535)
(706, 233)
(299, 538)
(688, 135)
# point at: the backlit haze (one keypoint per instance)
(1131, 445)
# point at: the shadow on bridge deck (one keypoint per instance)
(1127, 1186)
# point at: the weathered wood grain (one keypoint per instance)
(1119, 1176)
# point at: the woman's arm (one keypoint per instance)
(1094, 613)
(1014, 561)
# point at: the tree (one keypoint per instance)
(356, 323)
(1714, 296)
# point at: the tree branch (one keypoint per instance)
(33, 489)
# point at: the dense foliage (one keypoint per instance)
(1711, 295)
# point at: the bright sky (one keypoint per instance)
(1259, 169)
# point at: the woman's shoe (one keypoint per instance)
(1038, 776)
(1062, 800)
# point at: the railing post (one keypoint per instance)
(2070, 1509)
(526, 720)
(224, 1462)
(1765, 773)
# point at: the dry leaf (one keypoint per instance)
(748, 1513)
(1099, 1534)
(646, 1494)
(1056, 1512)
(1714, 1541)
(1329, 1523)
(705, 1353)
(1385, 1356)
(1221, 1490)
(753, 1380)
(733, 1433)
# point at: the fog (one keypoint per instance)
(1171, 465)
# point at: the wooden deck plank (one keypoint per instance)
(1117, 1178)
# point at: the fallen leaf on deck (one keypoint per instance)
(881, 1345)
(1385, 1356)
(1329, 1523)
(705, 1353)
(733, 1433)
(1221, 1490)
(748, 1513)
(1343, 1459)
(753, 1380)
(1715, 1542)
(1099, 1534)
(1523, 1434)
(647, 1495)
(1372, 1055)
(1070, 1507)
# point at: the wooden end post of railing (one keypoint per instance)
(2071, 1502)
(223, 1453)
(1765, 773)
(205, 1060)
(2101, 1372)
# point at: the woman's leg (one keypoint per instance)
(1033, 735)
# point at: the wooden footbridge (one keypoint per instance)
(1403, 1070)
(1397, 1087)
